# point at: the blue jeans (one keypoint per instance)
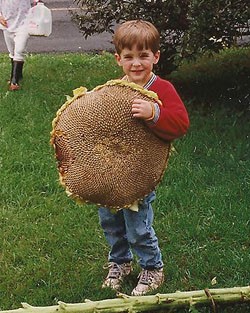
(127, 230)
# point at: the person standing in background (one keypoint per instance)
(13, 22)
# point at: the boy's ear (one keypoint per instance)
(157, 57)
(118, 59)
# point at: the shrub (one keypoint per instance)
(186, 26)
(214, 25)
(221, 77)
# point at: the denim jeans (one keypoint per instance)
(128, 231)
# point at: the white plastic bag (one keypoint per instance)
(40, 20)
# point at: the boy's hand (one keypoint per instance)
(35, 2)
(3, 21)
(142, 109)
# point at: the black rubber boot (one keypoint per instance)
(12, 65)
(21, 70)
(16, 75)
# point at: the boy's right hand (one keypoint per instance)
(3, 21)
(142, 109)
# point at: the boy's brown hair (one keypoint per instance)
(140, 33)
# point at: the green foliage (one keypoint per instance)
(212, 25)
(52, 249)
(218, 77)
(186, 26)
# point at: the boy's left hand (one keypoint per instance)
(142, 109)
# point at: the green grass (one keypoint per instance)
(53, 249)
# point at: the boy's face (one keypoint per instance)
(137, 64)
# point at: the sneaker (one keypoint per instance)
(116, 274)
(148, 281)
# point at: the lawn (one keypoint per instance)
(53, 249)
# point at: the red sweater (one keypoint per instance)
(171, 120)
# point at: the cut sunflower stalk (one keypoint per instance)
(169, 302)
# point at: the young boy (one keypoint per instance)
(137, 50)
(13, 20)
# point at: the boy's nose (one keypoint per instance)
(136, 62)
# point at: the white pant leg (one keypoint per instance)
(16, 43)
(10, 43)
(21, 40)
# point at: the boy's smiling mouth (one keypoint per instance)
(137, 71)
